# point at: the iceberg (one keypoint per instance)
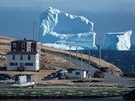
(62, 30)
(117, 41)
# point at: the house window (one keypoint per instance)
(23, 50)
(28, 64)
(23, 45)
(29, 47)
(14, 50)
(14, 45)
(13, 57)
(77, 73)
(29, 57)
(13, 63)
(21, 57)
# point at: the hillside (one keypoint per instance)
(94, 61)
(51, 62)
(47, 61)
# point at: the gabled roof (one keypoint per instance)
(25, 40)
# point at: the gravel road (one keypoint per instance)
(109, 77)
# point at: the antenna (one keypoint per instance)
(33, 29)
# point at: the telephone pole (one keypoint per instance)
(69, 56)
(99, 53)
(81, 65)
(33, 30)
(89, 64)
(76, 59)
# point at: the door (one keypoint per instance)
(21, 67)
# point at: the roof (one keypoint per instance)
(26, 40)
(73, 69)
(31, 53)
(23, 75)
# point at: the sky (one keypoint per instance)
(17, 16)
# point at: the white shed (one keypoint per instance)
(77, 73)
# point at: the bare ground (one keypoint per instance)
(38, 77)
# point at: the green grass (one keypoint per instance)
(64, 91)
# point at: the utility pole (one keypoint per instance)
(76, 58)
(99, 53)
(69, 56)
(89, 65)
(133, 66)
(81, 64)
(33, 30)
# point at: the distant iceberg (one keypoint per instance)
(117, 41)
(61, 30)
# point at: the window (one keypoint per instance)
(29, 57)
(23, 45)
(13, 57)
(28, 64)
(23, 50)
(77, 73)
(21, 57)
(14, 45)
(29, 47)
(14, 50)
(13, 63)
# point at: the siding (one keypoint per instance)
(34, 59)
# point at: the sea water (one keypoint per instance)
(125, 60)
(80, 99)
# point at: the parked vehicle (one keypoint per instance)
(4, 76)
(130, 96)
(61, 74)
(104, 69)
(99, 74)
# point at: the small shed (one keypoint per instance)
(22, 78)
(77, 73)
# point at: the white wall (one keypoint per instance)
(37, 58)
(82, 76)
(34, 59)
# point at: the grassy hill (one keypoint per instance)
(49, 61)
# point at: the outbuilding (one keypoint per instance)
(77, 73)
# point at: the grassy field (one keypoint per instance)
(63, 92)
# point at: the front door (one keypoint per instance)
(21, 67)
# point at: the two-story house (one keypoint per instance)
(24, 55)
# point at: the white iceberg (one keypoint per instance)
(117, 41)
(58, 29)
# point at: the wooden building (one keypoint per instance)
(24, 55)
